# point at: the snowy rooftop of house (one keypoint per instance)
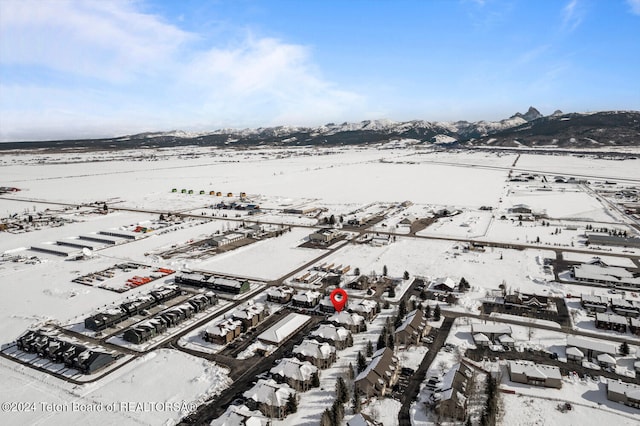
(270, 392)
(611, 318)
(227, 282)
(537, 371)
(279, 291)
(506, 338)
(249, 311)
(490, 328)
(411, 316)
(592, 298)
(223, 327)
(284, 328)
(444, 280)
(629, 389)
(574, 352)
(315, 349)
(331, 332)
(346, 318)
(606, 358)
(307, 296)
(376, 358)
(295, 369)
(604, 273)
(480, 337)
(363, 305)
(600, 346)
(621, 303)
(240, 415)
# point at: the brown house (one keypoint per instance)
(380, 374)
(413, 328)
(322, 355)
(223, 332)
(297, 374)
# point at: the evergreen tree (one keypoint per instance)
(292, 403)
(332, 220)
(342, 393)
(337, 412)
(362, 362)
(392, 292)
(315, 380)
(406, 275)
(356, 272)
(436, 313)
(385, 271)
(427, 311)
(398, 322)
(423, 295)
(390, 341)
(325, 420)
(357, 402)
(350, 374)
(369, 348)
(382, 341)
(402, 308)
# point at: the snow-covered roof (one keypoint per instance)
(600, 346)
(574, 352)
(269, 392)
(284, 328)
(533, 370)
(480, 337)
(307, 296)
(295, 369)
(381, 363)
(629, 389)
(363, 305)
(613, 274)
(505, 338)
(248, 311)
(346, 318)
(331, 332)
(607, 359)
(446, 281)
(240, 415)
(413, 319)
(490, 328)
(611, 318)
(279, 291)
(314, 349)
(222, 328)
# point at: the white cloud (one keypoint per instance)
(117, 70)
(572, 15)
(635, 6)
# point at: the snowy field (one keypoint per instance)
(342, 182)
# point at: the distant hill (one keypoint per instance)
(531, 129)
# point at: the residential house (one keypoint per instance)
(412, 329)
(592, 303)
(591, 348)
(531, 373)
(307, 299)
(611, 322)
(270, 398)
(366, 308)
(352, 322)
(485, 334)
(625, 307)
(280, 294)
(626, 393)
(250, 315)
(339, 337)
(443, 284)
(380, 375)
(322, 355)
(223, 331)
(324, 236)
(297, 374)
(450, 396)
(240, 415)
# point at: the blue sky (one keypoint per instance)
(75, 69)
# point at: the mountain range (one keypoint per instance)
(531, 129)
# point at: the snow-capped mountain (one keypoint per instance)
(574, 130)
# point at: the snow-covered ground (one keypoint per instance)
(344, 181)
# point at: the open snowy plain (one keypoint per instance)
(163, 385)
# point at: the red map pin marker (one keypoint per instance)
(339, 299)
